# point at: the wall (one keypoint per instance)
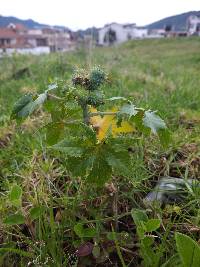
(34, 51)
(140, 33)
(122, 33)
(192, 23)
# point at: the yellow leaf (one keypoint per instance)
(102, 125)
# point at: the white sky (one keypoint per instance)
(80, 14)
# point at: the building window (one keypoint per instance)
(110, 37)
(41, 42)
(129, 37)
(5, 41)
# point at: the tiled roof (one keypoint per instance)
(20, 27)
(7, 33)
(10, 34)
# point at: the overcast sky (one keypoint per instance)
(80, 14)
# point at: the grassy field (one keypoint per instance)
(162, 75)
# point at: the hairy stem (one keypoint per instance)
(86, 117)
(93, 114)
(71, 122)
(49, 96)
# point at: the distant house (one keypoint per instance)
(58, 39)
(16, 38)
(17, 28)
(193, 25)
(19, 39)
(116, 33)
(156, 33)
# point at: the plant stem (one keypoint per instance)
(93, 114)
(118, 248)
(49, 96)
(86, 117)
(71, 122)
(100, 113)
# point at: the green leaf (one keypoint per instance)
(84, 232)
(84, 165)
(147, 241)
(39, 100)
(138, 121)
(172, 261)
(14, 219)
(122, 143)
(72, 109)
(15, 194)
(188, 249)
(164, 136)
(111, 235)
(78, 229)
(152, 225)
(54, 131)
(71, 147)
(21, 107)
(151, 258)
(26, 106)
(52, 86)
(96, 252)
(57, 109)
(139, 216)
(128, 109)
(36, 212)
(117, 98)
(100, 172)
(90, 134)
(153, 121)
(120, 162)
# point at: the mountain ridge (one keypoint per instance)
(28, 23)
(178, 22)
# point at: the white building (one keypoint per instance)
(116, 33)
(193, 25)
(156, 33)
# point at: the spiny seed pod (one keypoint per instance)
(97, 77)
(81, 80)
(77, 79)
(89, 81)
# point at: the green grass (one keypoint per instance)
(161, 75)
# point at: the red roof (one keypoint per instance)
(7, 33)
(20, 27)
(17, 27)
(10, 34)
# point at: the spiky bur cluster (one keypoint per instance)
(88, 86)
(90, 81)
